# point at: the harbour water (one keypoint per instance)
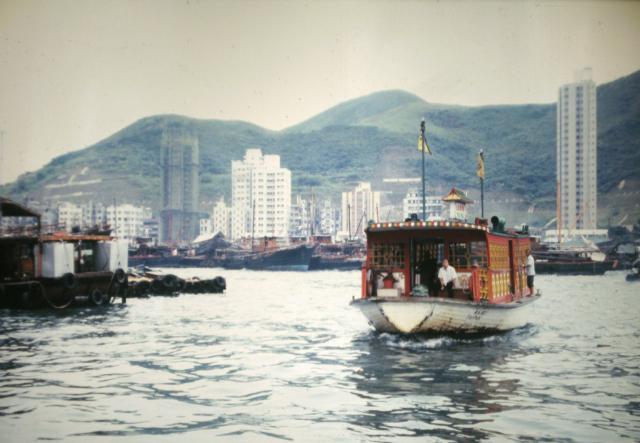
(281, 356)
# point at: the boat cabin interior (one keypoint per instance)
(17, 258)
(403, 259)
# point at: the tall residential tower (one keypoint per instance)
(260, 196)
(180, 185)
(576, 165)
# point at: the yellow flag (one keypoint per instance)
(480, 167)
(422, 143)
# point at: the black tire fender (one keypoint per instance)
(120, 276)
(170, 282)
(97, 298)
(220, 282)
(69, 281)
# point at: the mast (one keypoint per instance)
(349, 219)
(482, 184)
(558, 212)
(424, 201)
(115, 217)
(482, 198)
(253, 223)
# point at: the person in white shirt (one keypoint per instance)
(531, 271)
(447, 276)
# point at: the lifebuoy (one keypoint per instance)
(69, 281)
(98, 298)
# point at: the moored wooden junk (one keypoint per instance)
(56, 269)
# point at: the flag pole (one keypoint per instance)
(482, 185)
(482, 197)
(424, 202)
(480, 174)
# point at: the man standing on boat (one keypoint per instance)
(531, 271)
(447, 276)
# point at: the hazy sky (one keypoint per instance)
(74, 72)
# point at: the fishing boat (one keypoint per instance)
(572, 262)
(338, 256)
(268, 257)
(401, 292)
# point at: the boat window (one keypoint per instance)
(478, 251)
(86, 262)
(389, 255)
(459, 255)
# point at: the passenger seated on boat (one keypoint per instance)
(447, 276)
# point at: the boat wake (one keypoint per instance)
(419, 342)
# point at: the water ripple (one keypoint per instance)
(283, 357)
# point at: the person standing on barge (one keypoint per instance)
(447, 276)
(531, 271)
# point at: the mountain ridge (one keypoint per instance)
(366, 138)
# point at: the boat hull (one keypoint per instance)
(289, 259)
(319, 263)
(416, 315)
(574, 268)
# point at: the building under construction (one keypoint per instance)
(180, 185)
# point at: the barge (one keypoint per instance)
(56, 269)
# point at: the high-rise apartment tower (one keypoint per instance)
(576, 166)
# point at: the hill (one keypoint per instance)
(368, 138)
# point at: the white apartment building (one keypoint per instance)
(69, 216)
(576, 152)
(358, 207)
(260, 196)
(299, 218)
(126, 220)
(412, 204)
(93, 214)
(328, 218)
(205, 226)
(221, 218)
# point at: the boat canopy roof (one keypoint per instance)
(10, 208)
(451, 227)
(65, 236)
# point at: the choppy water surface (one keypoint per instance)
(281, 356)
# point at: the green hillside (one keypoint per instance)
(368, 138)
